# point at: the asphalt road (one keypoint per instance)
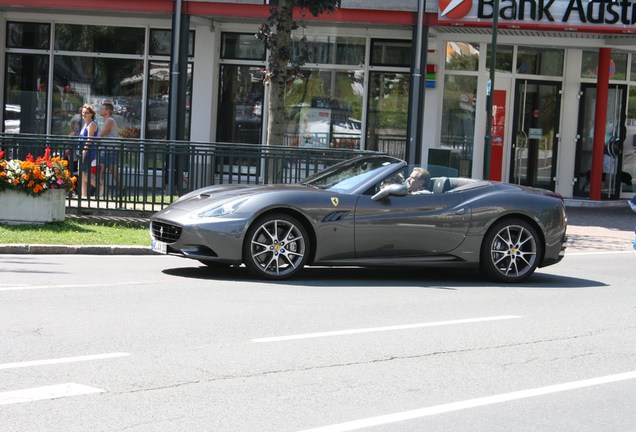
(157, 343)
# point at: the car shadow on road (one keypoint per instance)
(434, 278)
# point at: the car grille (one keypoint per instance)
(164, 232)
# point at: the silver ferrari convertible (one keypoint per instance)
(362, 212)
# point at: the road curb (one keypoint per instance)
(18, 249)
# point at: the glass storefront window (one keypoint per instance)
(161, 42)
(28, 35)
(103, 39)
(87, 77)
(324, 109)
(240, 113)
(629, 147)
(390, 52)
(503, 59)
(633, 69)
(241, 90)
(458, 120)
(631, 106)
(387, 114)
(589, 65)
(25, 93)
(158, 98)
(241, 46)
(79, 80)
(540, 61)
(334, 50)
(462, 56)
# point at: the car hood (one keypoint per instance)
(210, 196)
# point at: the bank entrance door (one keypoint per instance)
(613, 145)
(535, 133)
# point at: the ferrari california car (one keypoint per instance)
(355, 214)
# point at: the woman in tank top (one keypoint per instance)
(89, 130)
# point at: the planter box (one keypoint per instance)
(17, 207)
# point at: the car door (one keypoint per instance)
(411, 225)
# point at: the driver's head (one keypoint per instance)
(418, 180)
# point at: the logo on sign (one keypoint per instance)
(455, 9)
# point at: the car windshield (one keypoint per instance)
(346, 177)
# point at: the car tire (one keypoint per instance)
(511, 251)
(276, 247)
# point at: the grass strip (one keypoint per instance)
(73, 232)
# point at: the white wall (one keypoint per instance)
(569, 122)
(204, 84)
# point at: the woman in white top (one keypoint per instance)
(108, 157)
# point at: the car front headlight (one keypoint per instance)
(226, 208)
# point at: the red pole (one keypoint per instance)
(600, 121)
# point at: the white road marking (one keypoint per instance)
(83, 285)
(471, 403)
(381, 329)
(46, 392)
(62, 360)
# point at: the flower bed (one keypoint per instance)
(34, 190)
(35, 176)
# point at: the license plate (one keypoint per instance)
(159, 247)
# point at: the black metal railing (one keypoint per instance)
(147, 175)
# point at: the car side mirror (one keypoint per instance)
(394, 189)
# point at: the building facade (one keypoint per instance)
(356, 91)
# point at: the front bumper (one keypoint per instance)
(212, 240)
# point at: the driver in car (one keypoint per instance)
(418, 181)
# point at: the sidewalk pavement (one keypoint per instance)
(599, 226)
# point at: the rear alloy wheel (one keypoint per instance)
(511, 250)
(276, 247)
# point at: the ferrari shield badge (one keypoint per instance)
(335, 201)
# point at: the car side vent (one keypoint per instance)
(164, 232)
(335, 216)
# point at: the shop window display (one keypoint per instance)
(323, 106)
(540, 61)
(629, 147)
(462, 56)
(388, 112)
(78, 80)
(503, 59)
(90, 64)
(618, 66)
(458, 120)
(390, 52)
(324, 109)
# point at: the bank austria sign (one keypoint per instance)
(584, 14)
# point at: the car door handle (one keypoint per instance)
(461, 211)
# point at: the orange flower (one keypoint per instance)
(35, 176)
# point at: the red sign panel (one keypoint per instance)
(497, 133)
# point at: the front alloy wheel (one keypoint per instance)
(511, 251)
(276, 247)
